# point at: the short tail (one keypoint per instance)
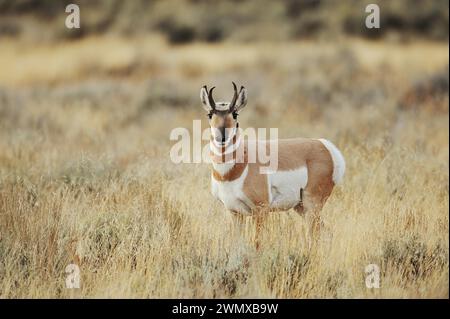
(338, 161)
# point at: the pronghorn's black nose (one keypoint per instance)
(222, 134)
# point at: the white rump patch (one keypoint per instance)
(338, 160)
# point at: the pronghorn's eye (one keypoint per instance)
(210, 115)
(234, 115)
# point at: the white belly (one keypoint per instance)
(231, 194)
(284, 188)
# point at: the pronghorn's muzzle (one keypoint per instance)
(223, 135)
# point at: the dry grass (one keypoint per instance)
(85, 175)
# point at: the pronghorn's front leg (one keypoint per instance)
(259, 217)
(238, 223)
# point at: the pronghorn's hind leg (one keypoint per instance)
(315, 196)
(313, 207)
(315, 222)
(310, 208)
(300, 208)
(318, 189)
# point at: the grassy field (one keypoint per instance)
(86, 178)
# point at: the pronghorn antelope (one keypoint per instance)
(307, 169)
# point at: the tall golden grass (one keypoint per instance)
(85, 174)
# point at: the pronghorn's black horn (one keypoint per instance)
(235, 96)
(211, 99)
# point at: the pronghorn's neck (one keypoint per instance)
(227, 158)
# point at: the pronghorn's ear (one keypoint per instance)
(241, 100)
(205, 99)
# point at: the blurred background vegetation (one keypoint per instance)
(184, 21)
